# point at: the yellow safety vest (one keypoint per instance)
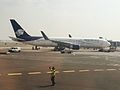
(53, 73)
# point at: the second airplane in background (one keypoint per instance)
(58, 43)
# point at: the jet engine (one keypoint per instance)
(75, 47)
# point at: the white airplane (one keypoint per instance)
(59, 43)
(77, 43)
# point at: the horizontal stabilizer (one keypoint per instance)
(17, 39)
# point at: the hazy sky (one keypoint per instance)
(81, 18)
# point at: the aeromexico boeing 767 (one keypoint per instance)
(61, 43)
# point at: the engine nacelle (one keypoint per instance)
(75, 47)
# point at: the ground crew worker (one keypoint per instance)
(53, 73)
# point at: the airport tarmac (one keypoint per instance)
(28, 70)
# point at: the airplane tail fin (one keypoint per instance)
(18, 30)
(44, 35)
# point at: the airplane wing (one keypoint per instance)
(61, 43)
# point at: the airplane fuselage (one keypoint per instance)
(84, 43)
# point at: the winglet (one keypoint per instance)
(70, 36)
(45, 36)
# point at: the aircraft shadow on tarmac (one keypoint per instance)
(44, 86)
